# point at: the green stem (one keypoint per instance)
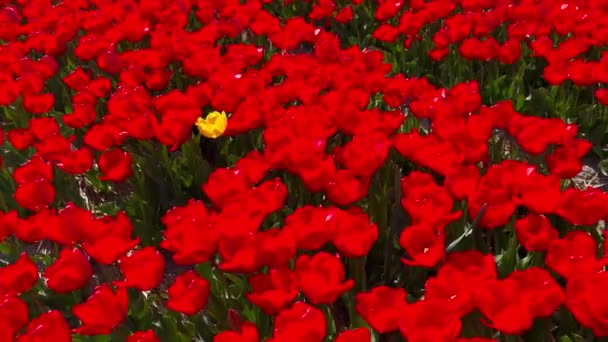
(3, 204)
(331, 323)
(358, 274)
(478, 241)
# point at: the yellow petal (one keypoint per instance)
(213, 126)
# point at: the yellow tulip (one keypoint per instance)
(213, 125)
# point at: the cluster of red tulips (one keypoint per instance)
(258, 170)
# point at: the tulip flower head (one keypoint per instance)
(213, 125)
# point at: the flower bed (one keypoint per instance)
(258, 170)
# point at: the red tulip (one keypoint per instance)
(99, 87)
(428, 320)
(240, 253)
(103, 136)
(9, 92)
(247, 333)
(382, 307)
(109, 62)
(115, 165)
(73, 225)
(356, 335)
(13, 316)
(18, 277)
(363, 155)
(498, 310)
(223, 184)
(450, 286)
(77, 80)
(274, 291)
(277, 247)
(188, 234)
(424, 244)
(300, 323)
(473, 264)
(42, 128)
(54, 147)
(346, 188)
(188, 294)
(602, 96)
(354, 235)
(542, 289)
(574, 254)
(344, 15)
(427, 151)
(103, 311)
(583, 207)
(313, 226)
(38, 104)
(49, 326)
(463, 183)
(497, 203)
(586, 299)
(143, 336)
(386, 33)
(321, 277)
(81, 116)
(71, 271)
(36, 195)
(426, 202)
(76, 162)
(535, 232)
(110, 238)
(36, 169)
(20, 138)
(144, 269)
(32, 230)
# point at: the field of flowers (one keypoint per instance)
(303, 170)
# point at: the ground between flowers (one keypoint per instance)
(331, 170)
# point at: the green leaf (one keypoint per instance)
(538, 103)
(540, 331)
(507, 260)
(205, 270)
(187, 179)
(98, 338)
(166, 330)
(604, 167)
(452, 246)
